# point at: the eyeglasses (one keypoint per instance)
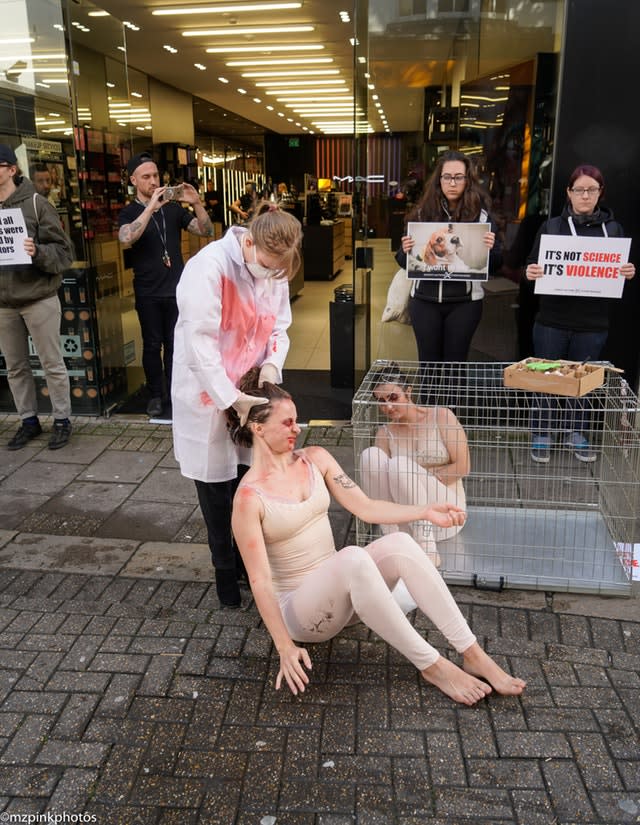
(453, 178)
(392, 398)
(592, 191)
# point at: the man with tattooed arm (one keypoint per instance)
(151, 231)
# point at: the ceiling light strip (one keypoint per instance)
(232, 31)
(263, 47)
(230, 9)
(285, 61)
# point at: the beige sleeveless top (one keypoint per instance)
(424, 445)
(297, 534)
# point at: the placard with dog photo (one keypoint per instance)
(448, 251)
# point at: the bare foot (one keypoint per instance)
(455, 683)
(478, 663)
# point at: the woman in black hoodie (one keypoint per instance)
(567, 326)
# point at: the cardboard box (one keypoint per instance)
(570, 378)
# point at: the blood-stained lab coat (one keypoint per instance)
(228, 322)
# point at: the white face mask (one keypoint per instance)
(260, 272)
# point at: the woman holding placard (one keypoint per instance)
(445, 314)
(573, 327)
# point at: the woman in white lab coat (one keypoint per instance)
(233, 302)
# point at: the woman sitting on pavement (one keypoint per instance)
(420, 456)
(308, 592)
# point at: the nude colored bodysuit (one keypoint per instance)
(406, 476)
(297, 535)
(427, 449)
(321, 591)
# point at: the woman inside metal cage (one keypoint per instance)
(420, 456)
(306, 591)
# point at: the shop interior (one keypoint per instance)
(353, 136)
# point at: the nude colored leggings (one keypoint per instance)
(404, 481)
(356, 583)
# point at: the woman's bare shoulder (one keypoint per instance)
(444, 415)
(318, 456)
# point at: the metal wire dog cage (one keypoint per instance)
(563, 523)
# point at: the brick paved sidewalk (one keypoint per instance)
(132, 698)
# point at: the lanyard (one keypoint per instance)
(166, 260)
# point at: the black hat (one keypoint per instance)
(7, 155)
(138, 160)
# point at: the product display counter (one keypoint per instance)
(323, 248)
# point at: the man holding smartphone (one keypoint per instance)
(151, 232)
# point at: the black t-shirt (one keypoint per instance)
(213, 205)
(152, 276)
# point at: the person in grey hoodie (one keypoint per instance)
(29, 306)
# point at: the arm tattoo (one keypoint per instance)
(344, 481)
(202, 227)
(129, 230)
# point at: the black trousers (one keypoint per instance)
(444, 331)
(216, 501)
(158, 318)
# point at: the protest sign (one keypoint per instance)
(629, 555)
(448, 251)
(13, 234)
(575, 265)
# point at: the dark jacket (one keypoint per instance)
(22, 284)
(580, 313)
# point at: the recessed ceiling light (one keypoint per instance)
(200, 66)
(242, 91)
(170, 49)
(270, 108)
(257, 100)
(232, 31)
(223, 80)
(98, 13)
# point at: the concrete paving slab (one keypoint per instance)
(40, 477)
(89, 498)
(165, 560)
(12, 459)
(16, 505)
(146, 521)
(101, 557)
(81, 449)
(604, 607)
(168, 460)
(61, 525)
(6, 536)
(169, 485)
(121, 465)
